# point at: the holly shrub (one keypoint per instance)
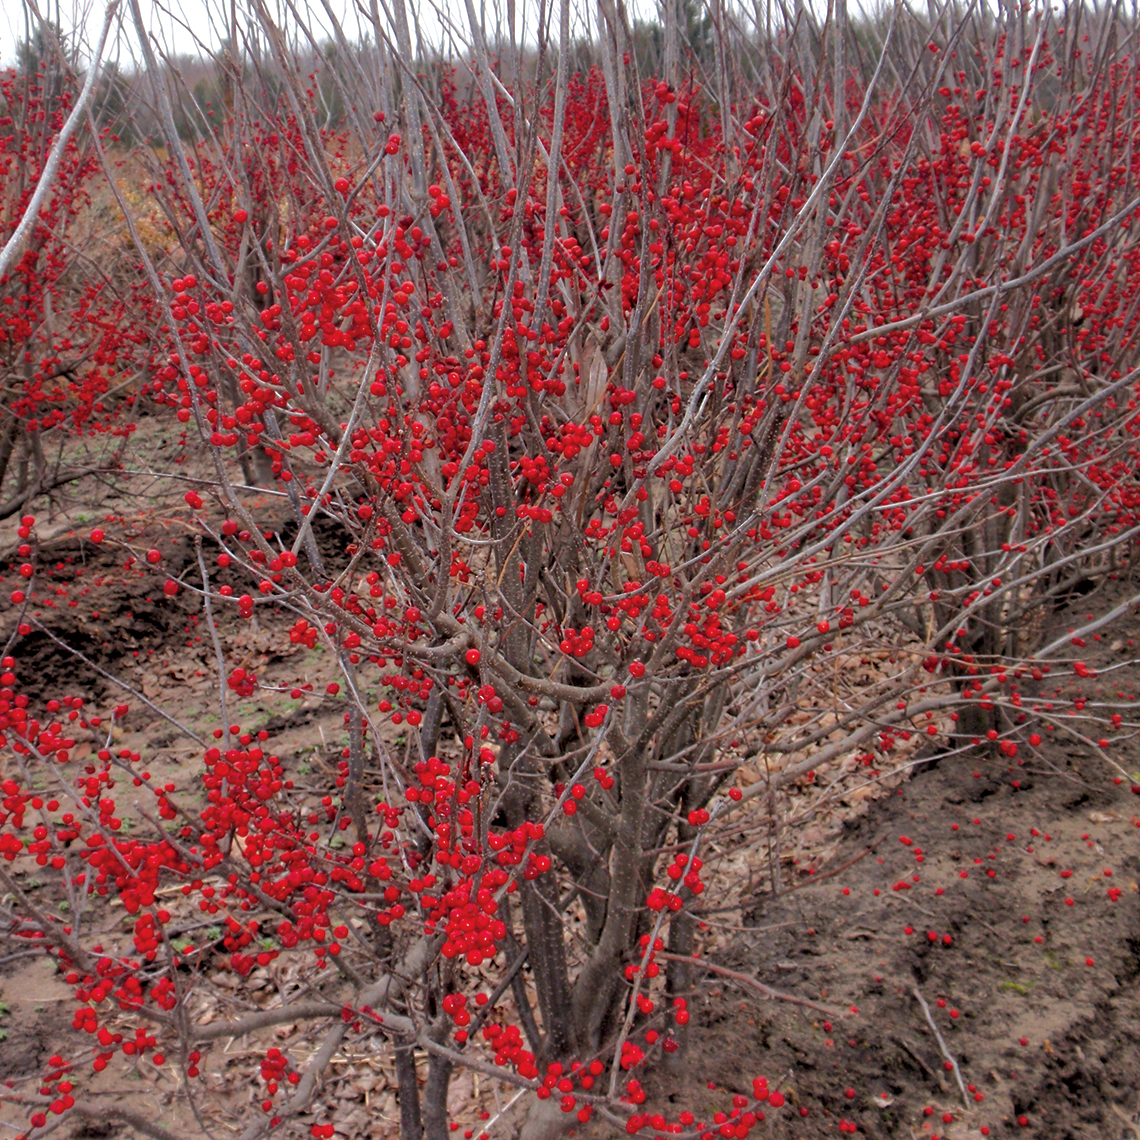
(611, 416)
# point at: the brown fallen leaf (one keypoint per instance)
(461, 1092)
(1103, 817)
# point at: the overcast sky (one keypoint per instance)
(182, 25)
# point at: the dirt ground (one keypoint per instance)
(987, 893)
(985, 913)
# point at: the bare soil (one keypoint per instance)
(981, 884)
(984, 886)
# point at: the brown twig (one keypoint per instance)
(753, 984)
(836, 871)
(301, 1011)
(136, 1120)
(115, 680)
(51, 930)
(942, 1044)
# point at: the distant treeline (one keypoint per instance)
(714, 48)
